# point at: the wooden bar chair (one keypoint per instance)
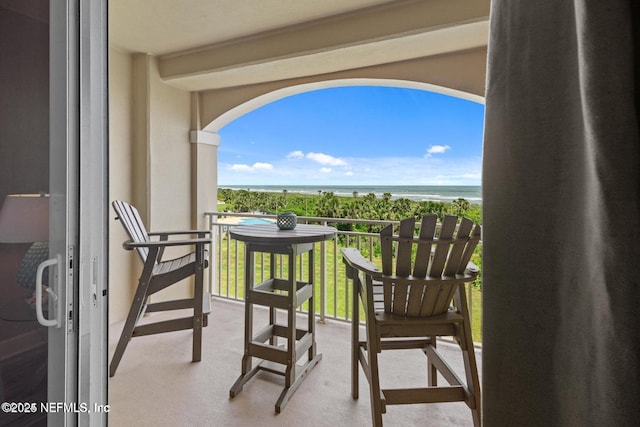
(408, 308)
(158, 274)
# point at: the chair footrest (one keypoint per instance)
(174, 324)
(424, 395)
(164, 326)
(180, 304)
(276, 293)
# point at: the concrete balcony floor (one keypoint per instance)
(157, 384)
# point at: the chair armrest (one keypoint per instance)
(354, 259)
(164, 243)
(177, 232)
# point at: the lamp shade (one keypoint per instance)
(24, 218)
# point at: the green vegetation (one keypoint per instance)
(328, 205)
(231, 273)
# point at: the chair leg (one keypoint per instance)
(374, 389)
(432, 372)
(355, 341)
(139, 301)
(473, 382)
(469, 358)
(197, 314)
(377, 407)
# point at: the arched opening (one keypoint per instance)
(271, 96)
(410, 140)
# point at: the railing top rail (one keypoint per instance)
(304, 218)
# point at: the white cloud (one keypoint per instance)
(325, 170)
(477, 176)
(436, 149)
(325, 159)
(258, 166)
(348, 173)
(295, 155)
(262, 166)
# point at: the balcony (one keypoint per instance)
(156, 384)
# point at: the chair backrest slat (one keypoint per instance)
(133, 225)
(423, 253)
(474, 238)
(414, 300)
(386, 247)
(400, 292)
(405, 244)
(442, 249)
(430, 298)
(457, 248)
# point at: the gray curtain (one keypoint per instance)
(561, 184)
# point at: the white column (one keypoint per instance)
(204, 187)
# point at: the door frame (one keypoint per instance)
(63, 187)
(93, 212)
(79, 138)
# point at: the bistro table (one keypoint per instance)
(279, 293)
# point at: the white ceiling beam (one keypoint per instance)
(393, 32)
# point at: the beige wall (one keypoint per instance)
(150, 165)
(169, 193)
(122, 270)
(169, 155)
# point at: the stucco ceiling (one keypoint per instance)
(160, 27)
(209, 44)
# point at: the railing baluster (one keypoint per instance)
(347, 243)
(213, 256)
(323, 279)
(228, 279)
(236, 271)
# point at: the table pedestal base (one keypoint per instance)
(274, 368)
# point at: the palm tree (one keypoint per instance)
(401, 208)
(460, 206)
(328, 205)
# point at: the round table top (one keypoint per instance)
(271, 234)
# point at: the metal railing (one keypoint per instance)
(333, 290)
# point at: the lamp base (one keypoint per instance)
(26, 276)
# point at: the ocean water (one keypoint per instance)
(437, 193)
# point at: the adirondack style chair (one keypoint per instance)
(158, 274)
(408, 308)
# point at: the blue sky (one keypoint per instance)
(360, 135)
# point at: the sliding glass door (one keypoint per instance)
(52, 256)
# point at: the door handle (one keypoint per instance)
(57, 321)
